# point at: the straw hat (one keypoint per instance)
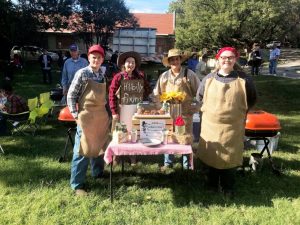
(172, 53)
(125, 55)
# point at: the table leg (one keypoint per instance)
(110, 182)
(182, 163)
(70, 136)
(122, 163)
(64, 158)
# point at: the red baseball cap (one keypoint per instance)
(96, 48)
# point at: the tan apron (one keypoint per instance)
(223, 122)
(182, 85)
(93, 119)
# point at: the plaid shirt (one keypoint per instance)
(80, 79)
(15, 104)
(115, 84)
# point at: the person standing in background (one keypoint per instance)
(201, 68)
(192, 62)
(255, 59)
(113, 61)
(45, 62)
(71, 66)
(274, 56)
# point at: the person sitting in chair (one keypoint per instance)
(10, 104)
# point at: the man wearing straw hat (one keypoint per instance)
(178, 79)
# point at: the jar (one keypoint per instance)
(133, 135)
(165, 133)
(166, 107)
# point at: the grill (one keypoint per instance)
(259, 126)
(68, 120)
(65, 115)
(56, 94)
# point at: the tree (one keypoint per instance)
(208, 23)
(17, 26)
(7, 16)
(24, 19)
(99, 18)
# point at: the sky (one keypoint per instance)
(148, 6)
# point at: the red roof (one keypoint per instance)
(164, 23)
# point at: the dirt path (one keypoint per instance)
(289, 64)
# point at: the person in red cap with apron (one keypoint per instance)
(88, 89)
(226, 95)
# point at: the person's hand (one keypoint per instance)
(116, 117)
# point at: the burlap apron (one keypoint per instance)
(182, 85)
(93, 119)
(222, 131)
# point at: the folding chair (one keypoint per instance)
(33, 115)
(17, 123)
(46, 105)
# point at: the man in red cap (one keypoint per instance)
(88, 89)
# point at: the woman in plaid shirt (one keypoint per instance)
(129, 63)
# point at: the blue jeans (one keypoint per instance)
(272, 66)
(168, 160)
(80, 164)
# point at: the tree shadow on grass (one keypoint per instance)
(48, 142)
(26, 172)
(253, 189)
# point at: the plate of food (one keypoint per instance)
(150, 142)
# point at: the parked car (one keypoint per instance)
(272, 43)
(30, 53)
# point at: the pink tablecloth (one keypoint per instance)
(140, 149)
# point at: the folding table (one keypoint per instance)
(123, 149)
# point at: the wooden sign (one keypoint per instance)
(131, 91)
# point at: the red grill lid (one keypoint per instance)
(261, 120)
(65, 115)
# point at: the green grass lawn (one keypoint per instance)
(34, 186)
